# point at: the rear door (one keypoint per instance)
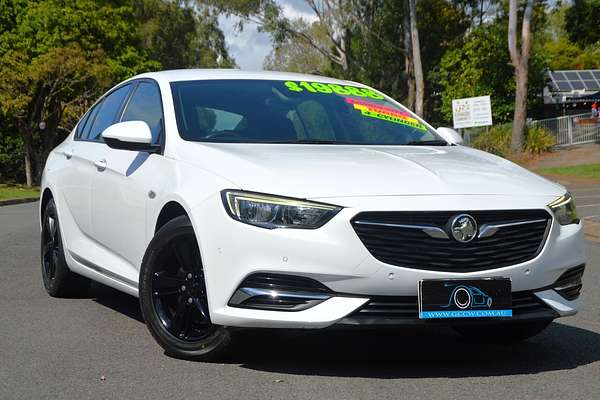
(120, 191)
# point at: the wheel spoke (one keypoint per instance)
(202, 307)
(163, 281)
(178, 290)
(180, 256)
(51, 264)
(178, 320)
(48, 250)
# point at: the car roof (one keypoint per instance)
(209, 74)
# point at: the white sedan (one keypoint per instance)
(224, 199)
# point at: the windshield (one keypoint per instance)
(263, 111)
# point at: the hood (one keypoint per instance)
(321, 171)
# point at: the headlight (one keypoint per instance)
(564, 210)
(273, 212)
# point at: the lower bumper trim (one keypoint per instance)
(367, 321)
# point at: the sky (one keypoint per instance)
(250, 47)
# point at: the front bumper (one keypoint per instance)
(335, 256)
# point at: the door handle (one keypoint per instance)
(68, 154)
(100, 165)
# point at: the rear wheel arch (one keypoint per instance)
(46, 197)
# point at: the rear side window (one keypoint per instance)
(107, 113)
(85, 125)
(81, 124)
(145, 105)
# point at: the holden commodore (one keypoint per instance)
(227, 199)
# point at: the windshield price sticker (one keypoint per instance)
(331, 88)
(385, 113)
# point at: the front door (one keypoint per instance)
(120, 189)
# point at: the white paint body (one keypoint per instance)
(108, 218)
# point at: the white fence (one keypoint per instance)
(571, 129)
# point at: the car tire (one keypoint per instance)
(173, 296)
(505, 333)
(59, 280)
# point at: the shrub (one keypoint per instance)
(11, 158)
(497, 140)
(538, 140)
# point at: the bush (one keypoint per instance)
(538, 140)
(497, 140)
(12, 167)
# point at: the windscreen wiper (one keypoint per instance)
(310, 141)
(427, 143)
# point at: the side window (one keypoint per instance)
(89, 119)
(81, 124)
(145, 105)
(107, 113)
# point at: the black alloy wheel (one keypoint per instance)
(173, 295)
(58, 280)
(50, 245)
(179, 293)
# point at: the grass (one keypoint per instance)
(10, 192)
(584, 171)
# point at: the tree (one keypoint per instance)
(519, 56)
(481, 66)
(416, 58)
(336, 17)
(58, 56)
(298, 56)
(409, 70)
(39, 96)
(581, 22)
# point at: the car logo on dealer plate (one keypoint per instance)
(463, 228)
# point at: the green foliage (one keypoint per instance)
(297, 56)
(58, 56)
(581, 22)
(497, 140)
(538, 140)
(11, 157)
(482, 67)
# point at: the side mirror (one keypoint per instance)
(450, 135)
(130, 135)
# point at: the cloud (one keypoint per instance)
(250, 47)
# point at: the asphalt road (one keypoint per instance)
(588, 201)
(61, 348)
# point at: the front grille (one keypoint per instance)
(413, 248)
(406, 307)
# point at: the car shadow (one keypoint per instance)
(430, 352)
(412, 353)
(116, 300)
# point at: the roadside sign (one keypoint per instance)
(471, 112)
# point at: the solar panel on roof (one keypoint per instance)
(553, 86)
(591, 85)
(586, 75)
(563, 86)
(558, 76)
(577, 85)
(572, 75)
(596, 74)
